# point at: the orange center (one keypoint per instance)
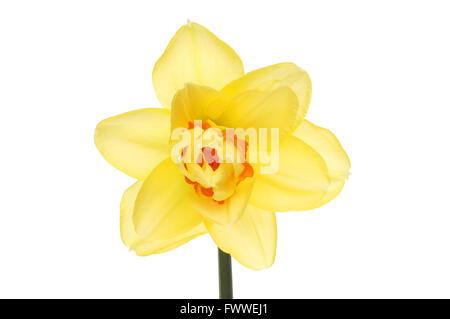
(219, 178)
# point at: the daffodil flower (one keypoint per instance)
(200, 78)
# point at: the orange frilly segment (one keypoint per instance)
(215, 182)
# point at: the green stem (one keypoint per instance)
(225, 276)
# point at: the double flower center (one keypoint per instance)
(213, 159)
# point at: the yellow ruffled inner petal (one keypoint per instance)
(276, 108)
(272, 77)
(196, 102)
(225, 212)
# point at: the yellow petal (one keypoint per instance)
(328, 146)
(146, 246)
(271, 77)
(196, 102)
(135, 142)
(252, 240)
(162, 209)
(227, 212)
(300, 183)
(194, 55)
(129, 236)
(277, 108)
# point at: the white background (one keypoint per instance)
(380, 73)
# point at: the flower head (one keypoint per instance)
(226, 152)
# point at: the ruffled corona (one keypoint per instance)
(214, 160)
